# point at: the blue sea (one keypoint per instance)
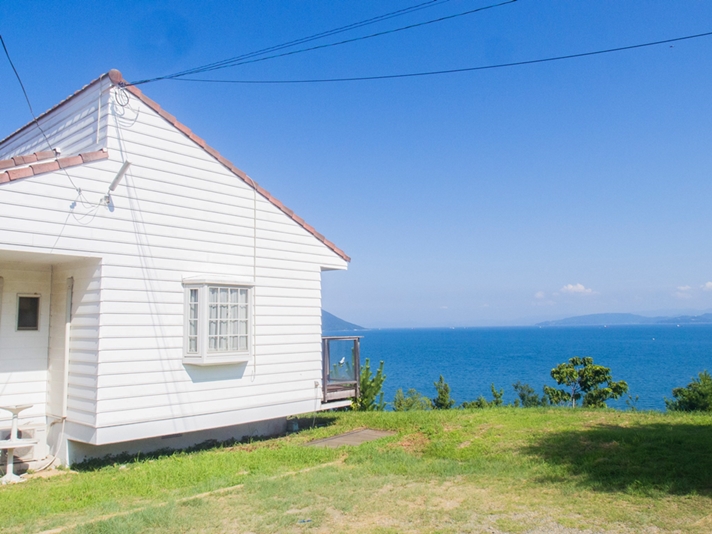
(653, 359)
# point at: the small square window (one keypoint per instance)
(28, 313)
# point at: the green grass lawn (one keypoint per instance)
(492, 470)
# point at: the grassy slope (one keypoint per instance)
(494, 470)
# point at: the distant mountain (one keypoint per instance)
(605, 319)
(332, 323)
(599, 319)
(705, 318)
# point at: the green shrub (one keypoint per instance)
(695, 397)
(412, 400)
(496, 396)
(481, 402)
(370, 397)
(442, 401)
(528, 398)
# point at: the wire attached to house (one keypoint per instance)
(302, 40)
(29, 105)
(22, 85)
(80, 195)
(454, 71)
(240, 61)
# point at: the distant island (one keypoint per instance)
(332, 323)
(606, 319)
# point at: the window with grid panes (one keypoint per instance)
(217, 323)
(227, 320)
(193, 322)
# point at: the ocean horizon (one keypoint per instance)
(652, 359)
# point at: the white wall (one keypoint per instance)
(77, 126)
(23, 354)
(84, 342)
(178, 212)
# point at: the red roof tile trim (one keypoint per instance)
(24, 160)
(116, 77)
(60, 163)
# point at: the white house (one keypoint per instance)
(151, 294)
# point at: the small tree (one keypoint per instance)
(496, 396)
(695, 397)
(442, 401)
(584, 378)
(481, 402)
(528, 398)
(412, 400)
(370, 397)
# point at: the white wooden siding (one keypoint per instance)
(72, 127)
(83, 346)
(176, 213)
(23, 354)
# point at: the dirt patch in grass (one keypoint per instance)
(485, 430)
(415, 443)
(49, 473)
(255, 445)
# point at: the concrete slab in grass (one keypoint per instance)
(355, 437)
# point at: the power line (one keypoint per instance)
(231, 63)
(302, 40)
(453, 71)
(22, 86)
(34, 117)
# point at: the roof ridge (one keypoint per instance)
(117, 79)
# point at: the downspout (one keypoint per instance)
(67, 334)
(49, 320)
(2, 283)
(252, 314)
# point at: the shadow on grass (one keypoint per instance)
(304, 423)
(668, 458)
(94, 464)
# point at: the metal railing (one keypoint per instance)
(341, 367)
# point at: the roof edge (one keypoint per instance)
(16, 161)
(117, 79)
(50, 110)
(10, 175)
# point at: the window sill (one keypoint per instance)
(223, 359)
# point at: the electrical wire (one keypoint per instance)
(327, 33)
(453, 71)
(81, 198)
(235, 63)
(22, 85)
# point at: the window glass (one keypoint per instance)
(228, 317)
(28, 313)
(193, 322)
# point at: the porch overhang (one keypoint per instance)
(42, 258)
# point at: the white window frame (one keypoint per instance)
(204, 355)
(39, 312)
(2, 285)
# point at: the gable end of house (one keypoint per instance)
(117, 79)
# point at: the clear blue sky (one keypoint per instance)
(493, 197)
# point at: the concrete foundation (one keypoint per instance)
(77, 451)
